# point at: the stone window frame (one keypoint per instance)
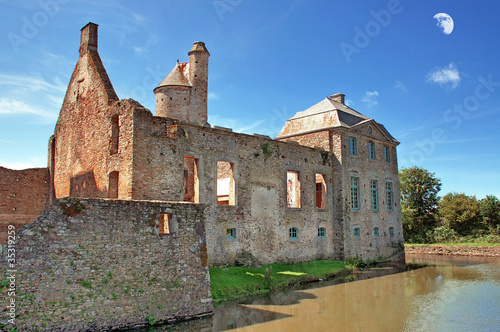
(391, 231)
(355, 188)
(234, 164)
(231, 233)
(356, 232)
(387, 154)
(389, 195)
(172, 226)
(376, 232)
(199, 168)
(324, 194)
(321, 232)
(293, 233)
(299, 172)
(371, 151)
(353, 146)
(374, 194)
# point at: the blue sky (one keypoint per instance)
(437, 93)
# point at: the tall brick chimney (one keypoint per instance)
(338, 97)
(88, 39)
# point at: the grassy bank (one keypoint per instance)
(241, 281)
(470, 244)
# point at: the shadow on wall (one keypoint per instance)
(85, 185)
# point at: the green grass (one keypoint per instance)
(478, 243)
(240, 281)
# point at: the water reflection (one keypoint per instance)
(453, 294)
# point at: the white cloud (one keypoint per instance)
(446, 76)
(349, 102)
(212, 96)
(16, 107)
(370, 98)
(400, 86)
(236, 125)
(32, 83)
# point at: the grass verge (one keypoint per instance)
(470, 244)
(242, 281)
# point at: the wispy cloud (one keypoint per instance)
(400, 86)
(235, 124)
(447, 76)
(212, 96)
(17, 107)
(349, 102)
(370, 98)
(32, 83)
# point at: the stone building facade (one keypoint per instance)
(325, 187)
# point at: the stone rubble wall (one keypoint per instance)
(92, 264)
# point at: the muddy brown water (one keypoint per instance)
(448, 294)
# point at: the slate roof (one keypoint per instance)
(179, 76)
(328, 113)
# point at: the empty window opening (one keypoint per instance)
(113, 184)
(320, 191)
(376, 232)
(191, 180)
(391, 231)
(231, 233)
(321, 232)
(374, 195)
(357, 232)
(371, 150)
(388, 195)
(293, 189)
(115, 134)
(225, 183)
(355, 192)
(293, 233)
(165, 223)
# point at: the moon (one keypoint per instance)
(445, 22)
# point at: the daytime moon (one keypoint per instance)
(445, 22)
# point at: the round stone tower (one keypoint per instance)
(182, 94)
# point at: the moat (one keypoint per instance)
(446, 294)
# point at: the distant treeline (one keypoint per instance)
(455, 217)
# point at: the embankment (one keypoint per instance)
(486, 251)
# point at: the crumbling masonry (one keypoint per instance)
(325, 187)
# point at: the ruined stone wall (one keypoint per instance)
(260, 215)
(92, 137)
(92, 264)
(23, 197)
(368, 245)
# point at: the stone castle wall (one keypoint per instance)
(260, 215)
(91, 264)
(23, 197)
(368, 245)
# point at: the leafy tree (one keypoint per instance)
(460, 213)
(490, 211)
(419, 202)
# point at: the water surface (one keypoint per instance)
(451, 294)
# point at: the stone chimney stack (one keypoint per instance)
(338, 97)
(88, 39)
(198, 73)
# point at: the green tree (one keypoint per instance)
(460, 213)
(419, 202)
(490, 211)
